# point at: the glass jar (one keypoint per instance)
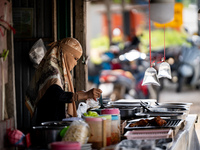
(115, 130)
(96, 135)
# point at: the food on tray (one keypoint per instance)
(142, 122)
(157, 121)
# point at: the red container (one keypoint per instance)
(62, 145)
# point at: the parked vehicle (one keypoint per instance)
(126, 82)
(116, 84)
(189, 68)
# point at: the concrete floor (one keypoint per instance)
(188, 94)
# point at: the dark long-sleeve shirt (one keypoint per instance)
(51, 106)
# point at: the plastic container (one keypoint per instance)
(149, 134)
(112, 111)
(115, 123)
(108, 128)
(115, 130)
(62, 145)
(96, 132)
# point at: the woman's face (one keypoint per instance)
(71, 60)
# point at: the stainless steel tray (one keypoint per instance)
(171, 115)
(175, 104)
(171, 123)
(135, 101)
(174, 124)
(122, 105)
(168, 109)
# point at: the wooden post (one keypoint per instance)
(54, 8)
(79, 28)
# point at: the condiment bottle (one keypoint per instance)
(115, 123)
(115, 130)
(96, 135)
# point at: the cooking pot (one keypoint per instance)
(128, 113)
(44, 135)
(47, 133)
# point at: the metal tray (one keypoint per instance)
(171, 123)
(168, 109)
(171, 115)
(175, 104)
(122, 105)
(129, 101)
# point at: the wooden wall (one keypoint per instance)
(40, 27)
(67, 19)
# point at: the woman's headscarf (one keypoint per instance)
(55, 68)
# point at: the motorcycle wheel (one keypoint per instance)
(180, 83)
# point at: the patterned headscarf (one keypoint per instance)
(55, 68)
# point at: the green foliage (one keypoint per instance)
(101, 42)
(186, 3)
(172, 38)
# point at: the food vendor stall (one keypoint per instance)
(164, 126)
(161, 129)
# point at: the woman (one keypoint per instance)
(51, 92)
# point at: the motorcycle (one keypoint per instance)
(116, 84)
(125, 82)
(189, 68)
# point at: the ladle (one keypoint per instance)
(144, 106)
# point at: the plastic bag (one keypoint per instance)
(91, 103)
(16, 137)
(78, 131)
(37, 52)
(82, 108)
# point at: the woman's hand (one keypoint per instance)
(93, 93)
